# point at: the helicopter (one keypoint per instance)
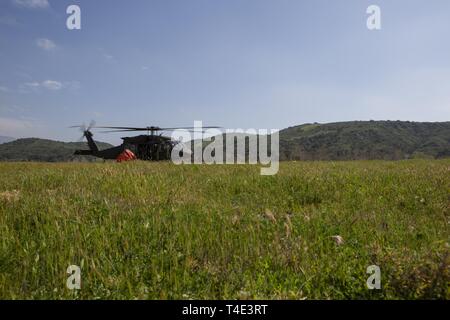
(151, 146)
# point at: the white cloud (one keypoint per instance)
(32, 4)
(4, 89)
(45, 44)
(32, 84)
(35, 86)
(29, 87)
(52, 85)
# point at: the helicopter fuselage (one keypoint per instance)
(145, 147)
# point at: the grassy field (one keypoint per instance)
(159, 231)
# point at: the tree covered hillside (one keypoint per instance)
(34, 149)
(390, 140)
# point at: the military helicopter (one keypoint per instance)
(151, 146)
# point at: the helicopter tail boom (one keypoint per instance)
(83, 153)
(91, 143)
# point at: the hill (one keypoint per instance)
(363, 140)
(4, 139)
(356, 140)
(388, 140)
(34, 149)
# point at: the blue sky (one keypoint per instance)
(234, 63)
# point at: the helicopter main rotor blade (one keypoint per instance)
(124, 128)
(152, 128)
(188, 128)
(131, 130)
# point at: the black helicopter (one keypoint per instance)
(150, 146)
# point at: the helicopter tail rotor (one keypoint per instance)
(85, 129)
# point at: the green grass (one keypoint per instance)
(159, 231)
